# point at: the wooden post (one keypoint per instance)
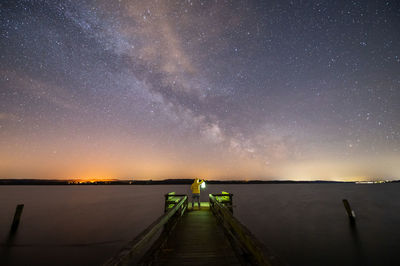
(350, 212)
(230, 203)
(166, 203)
(17, 217)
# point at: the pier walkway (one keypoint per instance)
(208, 236)
(197, 240)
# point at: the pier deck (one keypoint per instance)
(197, 240)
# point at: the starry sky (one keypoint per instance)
(218, 89)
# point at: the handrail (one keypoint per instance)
(171, 199)
(132, 252)
(240, 234)
(225, 199)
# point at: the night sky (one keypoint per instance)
(235, 89)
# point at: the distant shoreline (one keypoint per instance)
(161, 182)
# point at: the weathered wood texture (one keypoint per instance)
(197, 240)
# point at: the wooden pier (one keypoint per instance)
(209, 235)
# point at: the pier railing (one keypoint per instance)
(250, 249)
(136, 250)
(224, 199)
(172, 199)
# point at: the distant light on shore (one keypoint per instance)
(90, 181)
(374, 182)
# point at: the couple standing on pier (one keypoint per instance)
(195, 187)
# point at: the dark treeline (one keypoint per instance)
(150, 182)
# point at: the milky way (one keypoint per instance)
(218, 89)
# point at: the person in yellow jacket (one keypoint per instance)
(195, 187)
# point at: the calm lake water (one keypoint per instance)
(305, 224)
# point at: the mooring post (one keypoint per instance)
(350, 212)
(17, 217)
